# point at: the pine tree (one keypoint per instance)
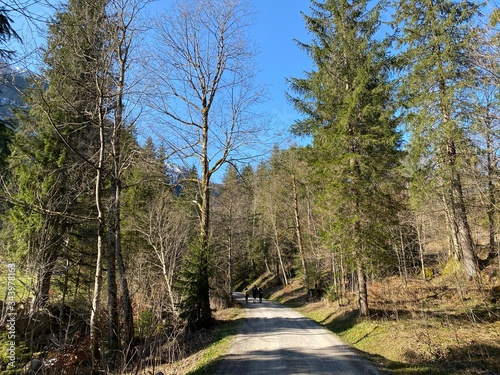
(436, 38)
(6, 33)
(40, 200)
(50, 176)
(347, 108)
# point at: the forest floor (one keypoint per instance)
(419, 327)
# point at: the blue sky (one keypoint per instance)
(278, 23)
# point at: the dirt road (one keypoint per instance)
(277, 340)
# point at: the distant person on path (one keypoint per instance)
(261, 294)
(254, 293)
(245, 293)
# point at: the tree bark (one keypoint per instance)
(460, 221)
(362, 289)
(278, 249)
(421, 249)
(113, 317)
(118, 130)
(299, 233)
(96, 307)
(230, 251)
(44, 276)
(491, 195)
(204, 289)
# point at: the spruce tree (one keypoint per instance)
(41, 199)
(73, 102)
(6, 34)
(355, 153)
(50, 177)
(436, 39)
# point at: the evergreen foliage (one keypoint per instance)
(436, 65)
(193, 283)
(6, 33)
(349, 113)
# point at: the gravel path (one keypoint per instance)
(274, 339)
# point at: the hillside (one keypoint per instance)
(12, 82)
(424, 327)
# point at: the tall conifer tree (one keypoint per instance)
(436, 37)
(347, 106)
(50, 176)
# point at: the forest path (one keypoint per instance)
(274, 339)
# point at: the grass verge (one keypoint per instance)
(429, 329)
(206, 359)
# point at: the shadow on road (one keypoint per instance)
(276, 340)
(270, 362)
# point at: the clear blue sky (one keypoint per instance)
(277, 24)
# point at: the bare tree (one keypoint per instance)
(125, 29)
(204, 93)
(166, 229)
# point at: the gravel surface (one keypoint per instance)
(274, 339)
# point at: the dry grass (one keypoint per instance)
(418, 327)
(439, 326)
(202, 350)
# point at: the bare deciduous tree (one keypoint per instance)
(166, 230)
(204, 93)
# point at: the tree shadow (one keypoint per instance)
(468, 358)
(471, 358)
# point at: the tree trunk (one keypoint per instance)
(44, 276)
(96, 307)
(204, 287)
(299, 233)
(454, 246)
(230, 252)
(491, 197)
(113, 316)
(421, 247)
(168, 281)
(280, 257)
(362, 289)
(118, 129)
(403, 258)
(124, 289)
(456, 200)
(460, 221)
(125, 294)
(62, 306)
(94, 332)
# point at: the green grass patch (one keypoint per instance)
(213, 355)
(431, 329)
(19, 280)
